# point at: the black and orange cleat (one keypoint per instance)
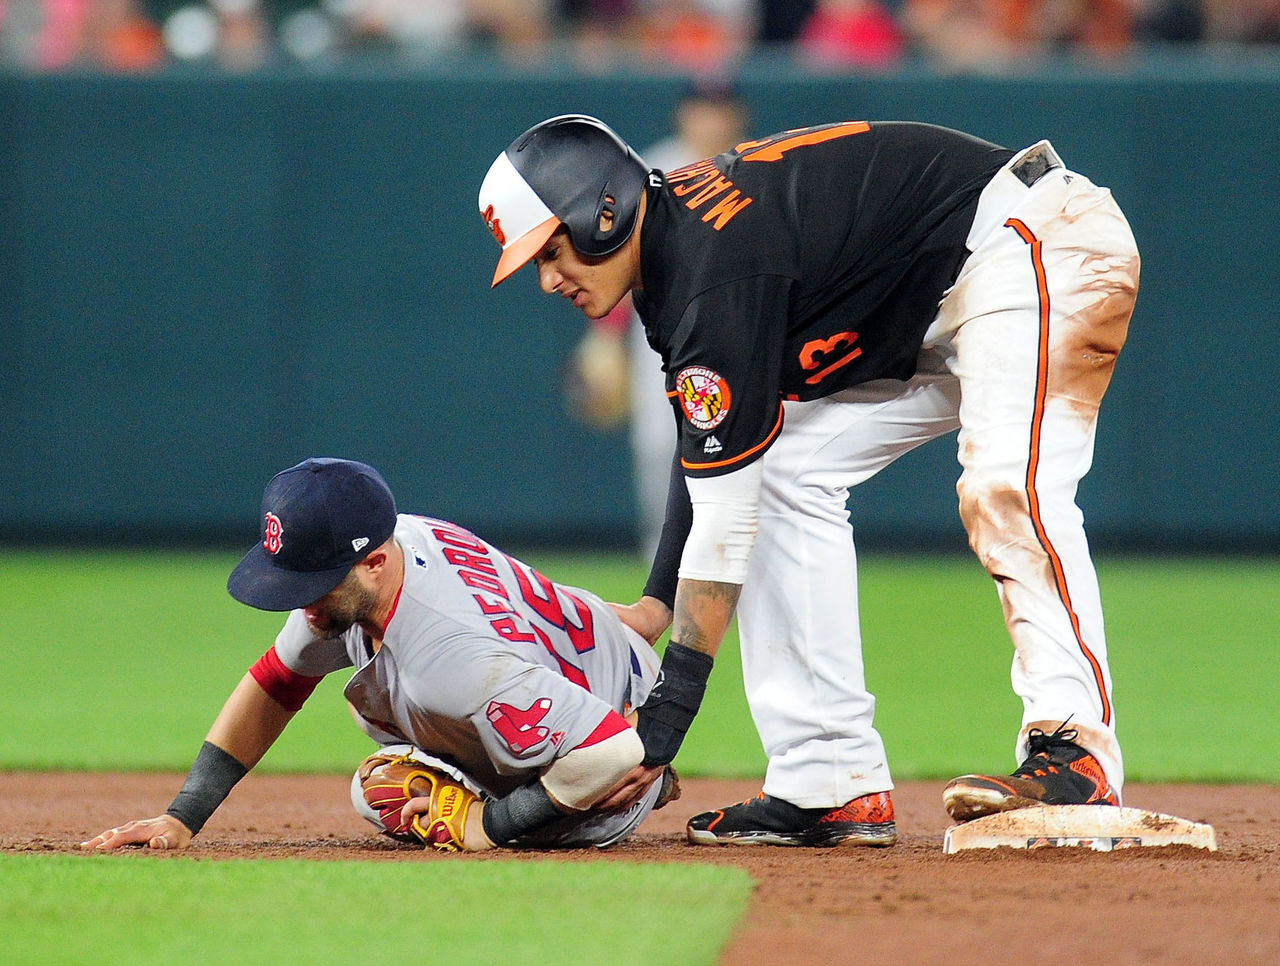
(1057, 771)
(765, 820)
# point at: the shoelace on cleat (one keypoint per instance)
(1042, 745)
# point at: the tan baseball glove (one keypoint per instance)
(441, 804)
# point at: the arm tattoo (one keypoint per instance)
(705, 602)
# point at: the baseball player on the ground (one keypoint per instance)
(499, 698)
(824, 300)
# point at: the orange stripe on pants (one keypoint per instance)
(1033, 460)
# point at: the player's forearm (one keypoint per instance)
(703, 611)
(716, 556)
(249, 723)
(702, 614)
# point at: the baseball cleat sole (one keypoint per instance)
(764, 820)
(875, 836)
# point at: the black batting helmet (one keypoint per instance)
(568, 170)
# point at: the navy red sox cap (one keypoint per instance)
(319, 519)
(567, 170)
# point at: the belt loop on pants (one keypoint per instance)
(1035, 164)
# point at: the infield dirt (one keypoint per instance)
(907, 904)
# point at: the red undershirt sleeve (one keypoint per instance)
(287, 688)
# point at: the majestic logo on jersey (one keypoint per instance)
(712, 446)
(272, 534)
(704, 396)
(519, 727)
(494, 226)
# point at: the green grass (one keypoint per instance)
(121, 661)
(1196, 663)
(143, 909)
(1192, 646)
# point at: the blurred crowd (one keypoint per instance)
(600, 35)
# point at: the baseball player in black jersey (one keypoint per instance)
(824, 300)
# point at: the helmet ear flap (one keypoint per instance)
(607, 215)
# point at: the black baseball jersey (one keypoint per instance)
(797, 266)
(791, 268)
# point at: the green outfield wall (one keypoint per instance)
(205, 278)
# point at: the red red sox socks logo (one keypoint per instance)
(519, 727)
(273, 534)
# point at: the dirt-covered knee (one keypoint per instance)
(996, 514)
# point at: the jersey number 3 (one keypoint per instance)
(828, 355)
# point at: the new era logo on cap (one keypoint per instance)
(321, 518)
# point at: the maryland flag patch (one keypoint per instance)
(703, 395)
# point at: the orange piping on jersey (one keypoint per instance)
(1033, 461)
(741, 456)
(774, 150)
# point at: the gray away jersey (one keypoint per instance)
(484, 663)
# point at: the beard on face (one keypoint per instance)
(349, 604)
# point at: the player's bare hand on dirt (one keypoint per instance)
(630, 789)
(161, 832)
(648, 617)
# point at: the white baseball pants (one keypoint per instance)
(1018, 360)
